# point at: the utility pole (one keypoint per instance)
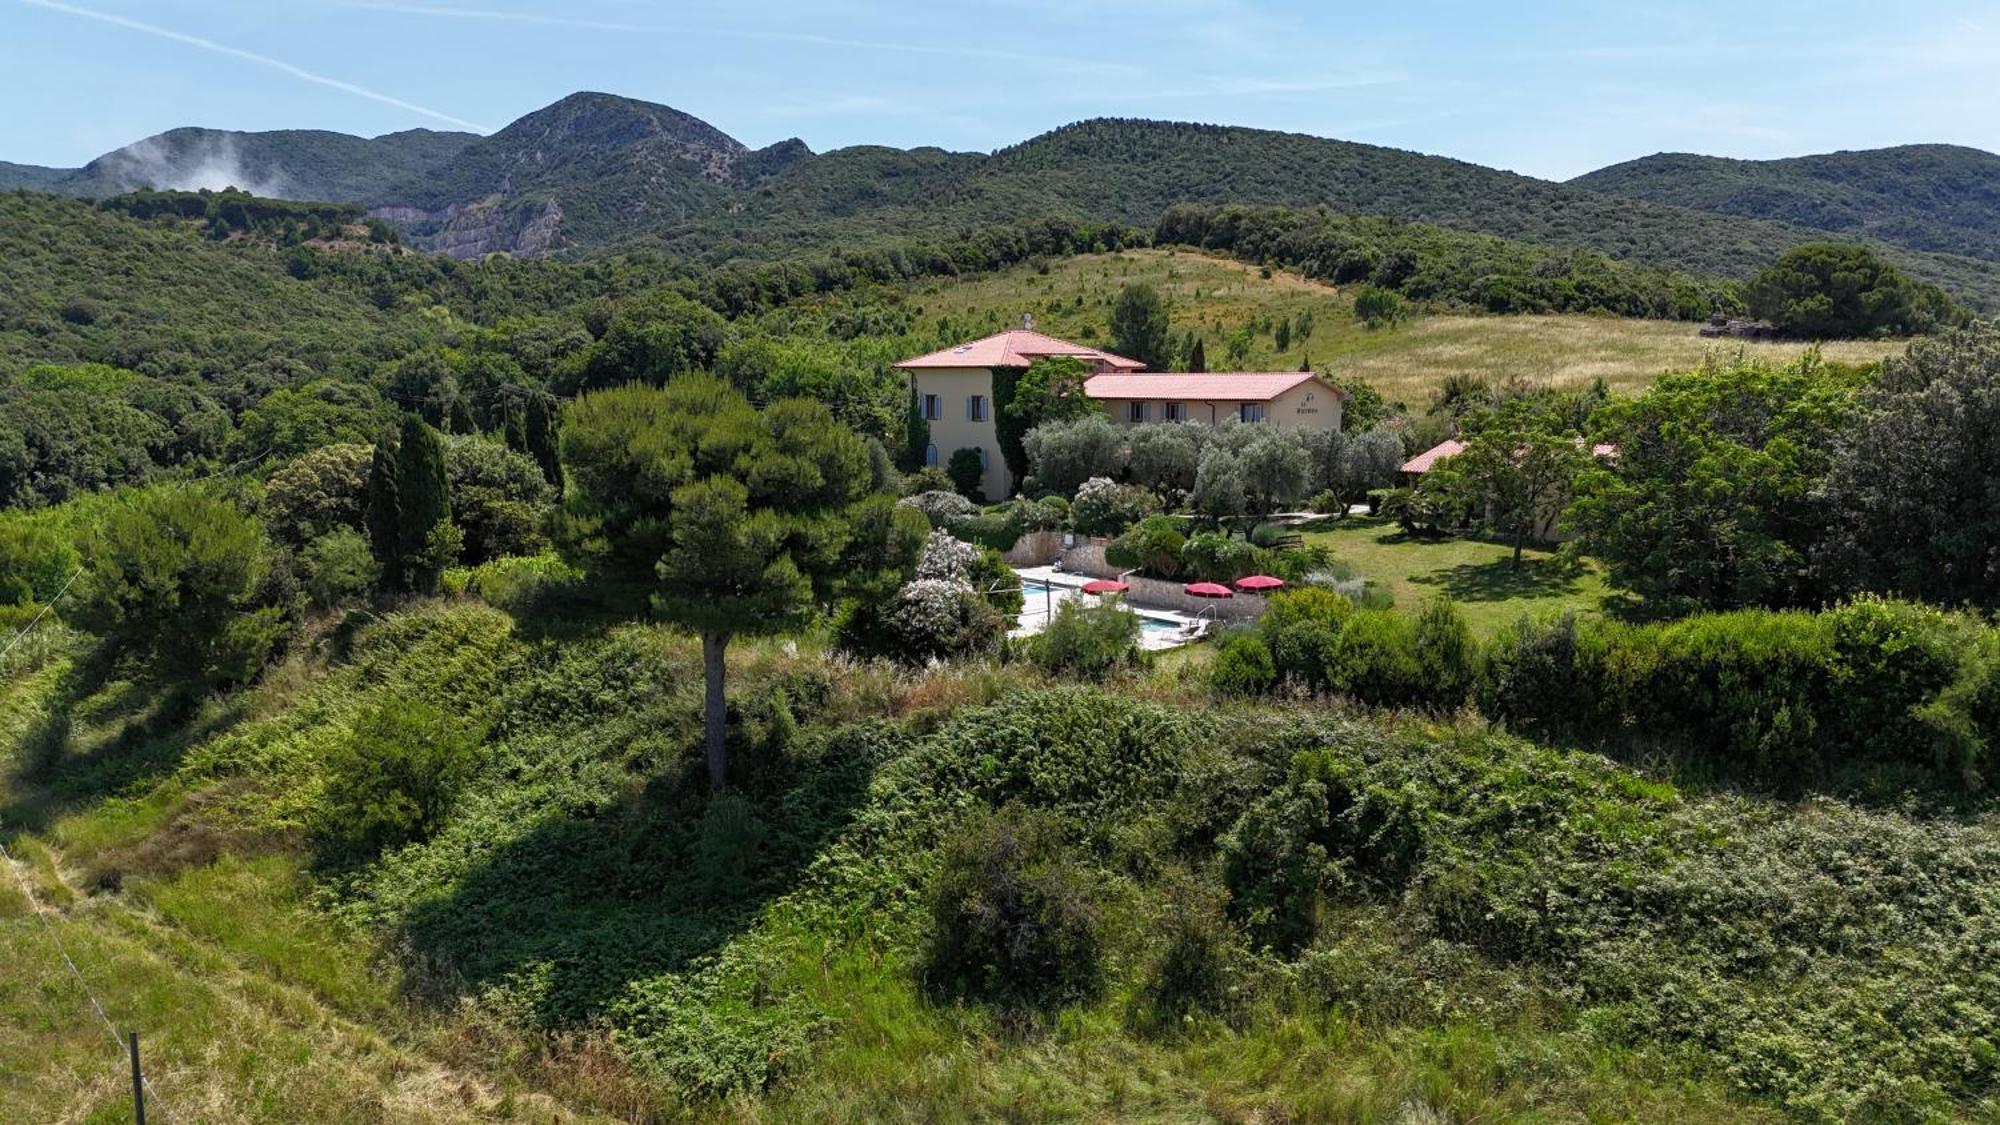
(138, 1081)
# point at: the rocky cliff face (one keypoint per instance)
(489, 227)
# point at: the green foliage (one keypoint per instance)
(1153, 545)
(500, 501)
(916, 436)
(966, 472)
(36, 560)
(1139, 328)
(1209, 557)
(1104, 507)
(1899, 195)
(1242, 666)
(1910, 492)
(1710, 501)
(316, 492)
(1378, 307)
(1087, 641)
(1394, 261)
(167, 573)
(1832, 290)
(340, 568)
(1447, 656)
(1050, 390)
(1784, 697)
(1063, 455)
(738, 520)
(65, 430)
(395, 779)
(1014, 921)
(1517, 471)
(408, 514)
(651, 340)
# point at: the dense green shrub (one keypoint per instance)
(1153, 545)
(1785, 696)
(1447, 656)
(340, 568)
(1013, 919)
(1242, 665)
(966, 469)
(1209, 557)
(395, 778)
(1105, 507)
(1087, 641)
(997, 582)
(1192, 972)
(1374, 659)
(168, 573)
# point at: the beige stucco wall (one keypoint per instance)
(1311, 405)
(1308, 406)
(951, 432)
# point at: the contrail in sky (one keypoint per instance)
(261, 60)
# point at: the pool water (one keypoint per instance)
(1158, 624)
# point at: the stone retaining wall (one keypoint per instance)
(1087, 558)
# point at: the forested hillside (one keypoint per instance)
(311, 164)
(595, 174)
(1926, 197)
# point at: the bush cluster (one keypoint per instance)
(1785, 696)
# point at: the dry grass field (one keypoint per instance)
(1217, 298)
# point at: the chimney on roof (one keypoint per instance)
(1028, 321)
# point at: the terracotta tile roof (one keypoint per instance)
(1423, 462)
(1018, 348)
(1215, 386)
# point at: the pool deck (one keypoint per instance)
(1038, 607)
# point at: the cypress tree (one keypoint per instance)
(1198, 357)
(916, 435)
(514, 426)
(384, 515)
(459, 417)
(538, 435)
(425, 501)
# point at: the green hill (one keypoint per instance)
(82, 284)
(595, 174)
(289, 164)
(1132, 171)
(1926, 197)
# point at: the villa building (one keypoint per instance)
(954, 389)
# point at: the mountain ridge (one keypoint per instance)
(597, 173)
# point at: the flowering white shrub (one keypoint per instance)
(934, 618)
(947, 559)
(940, 507)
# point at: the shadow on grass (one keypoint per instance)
(101, 733)
(558, 922)
(1500, 580)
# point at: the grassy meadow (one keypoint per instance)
(1479, 576)
(1214, 297)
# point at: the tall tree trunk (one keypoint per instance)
(1520, 537)
(715, 713)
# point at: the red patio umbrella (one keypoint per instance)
(1207, 590)
(1260, 583)
(1105, 586)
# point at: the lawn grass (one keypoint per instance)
(1073, 297)
(1478, 575)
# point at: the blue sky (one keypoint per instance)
(1550, 89)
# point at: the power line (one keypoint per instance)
(117, 1040)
